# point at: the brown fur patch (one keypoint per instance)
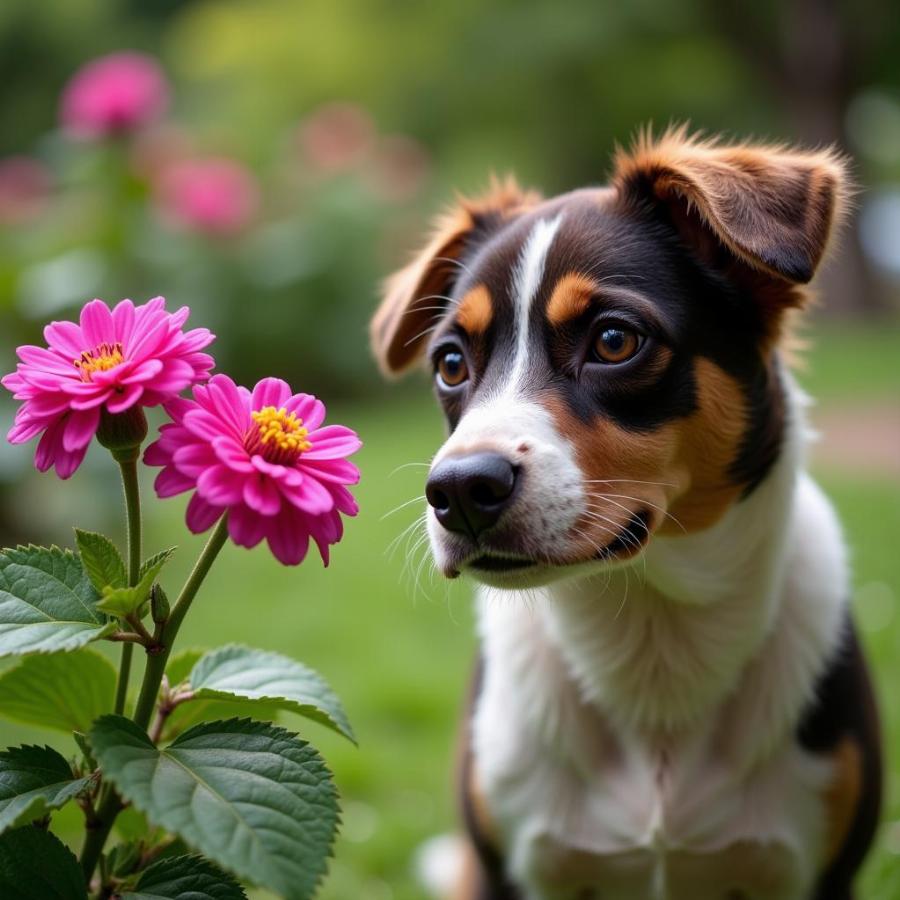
(709, 441)
(570, 298)
(414, 296)
(770, 206)
(475, 310)
(679, 473)
(842, 797)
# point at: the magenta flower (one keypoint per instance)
(213, 196)
(24, 189)
(114, 94)
(112, 362)
(265, 459)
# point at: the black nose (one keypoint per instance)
(469, 493)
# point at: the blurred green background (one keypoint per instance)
(351, 123)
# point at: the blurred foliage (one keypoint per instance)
(443, 94)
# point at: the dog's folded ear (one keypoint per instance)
(417, 295)
(769, 208)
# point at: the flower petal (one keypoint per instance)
(201, 515)
(332, 442)
(220, 485)
(246, 527)
(81, 426)
(97, 325)
(232, 453)
(170, 482)
(262, 495)
(119, 401)
(308, 408)
(288, 538)
(67, 338)
(270, 392)
(308, 495)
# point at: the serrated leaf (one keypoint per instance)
(186, 715)
(156, 562)
(61, 690)
(47, 602)
(241, 673)
(249, 795)
(34, 781)
(37, 865)
(182, 877)
(124, 601)
(101, 559)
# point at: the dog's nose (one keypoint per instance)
(469, 493)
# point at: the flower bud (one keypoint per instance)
(159, 604)
(123, 433)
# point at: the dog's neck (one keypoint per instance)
(660, 645)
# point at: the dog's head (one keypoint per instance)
(606, 359)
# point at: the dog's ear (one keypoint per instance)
(768, 208)
(417, 295)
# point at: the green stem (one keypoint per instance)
(132, 492)
(110, 804)
(156, 662)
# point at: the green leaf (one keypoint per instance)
(248, 795)
(33, 781)
(182, 877)
(101, 559)
(186, 715)
(47, 602)
(181, 663)
(124, 601)
(63, 690)
(37, 865)
(156, 562)
(241, 673)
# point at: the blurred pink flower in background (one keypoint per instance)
(216, 195)
(24, 189)
(112, 361)
(336, 137)
(264, 457)
(399, 169)
(113, 94)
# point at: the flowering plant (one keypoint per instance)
(224, 800)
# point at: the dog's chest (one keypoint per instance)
(610, 821)
(583, 811)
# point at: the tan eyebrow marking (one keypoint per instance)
(570, 298)
(475, 310)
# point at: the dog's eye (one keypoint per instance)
(452, 370)
(616, 345)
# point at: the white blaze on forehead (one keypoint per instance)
(526, 280)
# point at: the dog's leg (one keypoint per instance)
(482, 876)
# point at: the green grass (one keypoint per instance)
(399, 654)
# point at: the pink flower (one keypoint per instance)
(112, 94)
(113, 361)
(24, 189)
(265, 459)
(336, 136)
(214, 196)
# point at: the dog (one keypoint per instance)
(670, 700)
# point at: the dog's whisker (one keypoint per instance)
(397, 509)
(409, 465)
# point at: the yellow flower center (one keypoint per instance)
(279, 436)
(100, 359)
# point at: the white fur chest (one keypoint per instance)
(597, 817)
(588, 806)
